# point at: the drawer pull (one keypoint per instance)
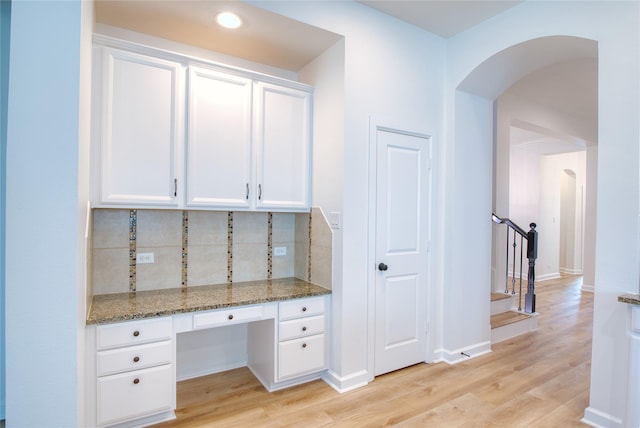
(304, 345)
(304, 309)
(136, 381)
(136, 359)
(136, 333)
(231, 316)
(304, 328)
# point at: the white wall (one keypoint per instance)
(535, 196)
(468, 240)
(615, 26)
(326, 74)
(549, 211)
(47, 141)
(5, 17)
(392, 72)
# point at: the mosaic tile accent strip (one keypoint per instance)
(309, 249)
(133, 227)
(185, 246)
(230, 247)
(269, 245)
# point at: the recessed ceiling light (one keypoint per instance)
(229, 20)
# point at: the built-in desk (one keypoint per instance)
(132, 342)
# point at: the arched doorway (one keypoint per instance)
(479, 162)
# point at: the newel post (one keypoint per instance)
(532, 254)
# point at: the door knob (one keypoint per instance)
(382, 267)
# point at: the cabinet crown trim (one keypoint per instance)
(188, 60)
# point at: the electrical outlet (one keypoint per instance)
(279, 251)
(142, 258)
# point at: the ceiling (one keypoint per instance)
(265, 37)
(274, 40)
(445, 18)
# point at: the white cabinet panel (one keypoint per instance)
(133, 332)
(283, 137)
(134, 358)
(301, 327)
(239, 314)
(301, 356)
(135, 394)
(139, 139)
(302, 307)
(219, 140)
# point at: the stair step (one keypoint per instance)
(506, 318)
(509, 324)
(499, 296)
(502, 302)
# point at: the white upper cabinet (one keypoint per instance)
(283, 132)
(213, 138)
(218, 140)
(139, 140)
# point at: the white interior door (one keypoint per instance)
(402, 223)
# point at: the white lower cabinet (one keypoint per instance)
(134, 369)
(301, 356)
(130, 395)
(302, 345)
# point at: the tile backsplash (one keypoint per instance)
(193, 248)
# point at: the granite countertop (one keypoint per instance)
(109, 308)
(632, 299)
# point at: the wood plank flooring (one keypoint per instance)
(540, 379)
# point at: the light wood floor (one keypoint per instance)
(540, 379)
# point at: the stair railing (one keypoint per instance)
(532, 254)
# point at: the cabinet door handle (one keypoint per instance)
(259, 192)
(136, 381)
(136, 333)
(304, 345)
(247, 194)
(136, 359)
(304, 309)
(304, 328)
(230, 316)
(175, 187)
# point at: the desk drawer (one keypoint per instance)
(133, 333)
(301, 356)
(297, 308)
(134, 358)
(131, 395)
(301, 327)
(224, 317)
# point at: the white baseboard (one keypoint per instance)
(571, 271)
(463, 354)
(346, 383)
(547, 277)
(587, 287)
(599, 419)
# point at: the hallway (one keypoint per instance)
(539, 379)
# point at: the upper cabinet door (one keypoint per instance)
(219, 140)
(283, 136)
(140, 144)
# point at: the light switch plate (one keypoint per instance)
(335, 220)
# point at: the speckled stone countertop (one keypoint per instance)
(632, 299)
(109, 308)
